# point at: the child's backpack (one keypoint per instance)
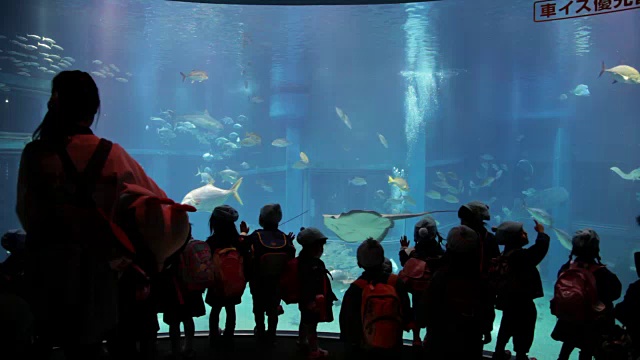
(575, 295)
(229, 266)
(273, 255)
(290, 283)
(499, 272)
(381, 314)
(417, 274)
(196, 266)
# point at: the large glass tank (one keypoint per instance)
(465, 100)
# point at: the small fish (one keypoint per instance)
(242, 118)
(205, 177)
(540, 215)
(237, 126)
(409, 200)
(383, 140)
(304, 158)
(34, 37)
(98, 74)
(380, 194)
(207, 156)
(433, 194)
(229, 175)
(44, 46)
(300, 165)
(195, 75)
(122, 80)
(529, 192)
(50, 41)
(49, 60)
(227, 120)
(563, 238)
(451, 175)
(441, 176)
(24, 73)
(487, 157)
(399, 182)
(42, 68)
(57, 47)
(358, 181)
(129, 74)
(245, 165)
(234, 135)
(55, 57)
(344, 117)
(55, 67)
(280, 142)
(69, 59)
(450, 199)
(97, 62)
(563, 97)
(30, 47)
(21, 38)
(50, 72)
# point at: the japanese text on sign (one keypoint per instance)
(550, 10)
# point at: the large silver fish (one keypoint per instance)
(208, 197)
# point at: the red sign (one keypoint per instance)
(551, 10)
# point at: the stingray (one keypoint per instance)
(358, 225)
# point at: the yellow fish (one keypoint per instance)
(304, 158)
(399, 182)
(383, 140)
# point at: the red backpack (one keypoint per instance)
(229, 266)
(196, 266)
(381, 313)
(575, 295)
(290, 283)
(417, 275)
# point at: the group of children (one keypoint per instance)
(451, 290)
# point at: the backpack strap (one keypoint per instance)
(361, 283)
(86, 181)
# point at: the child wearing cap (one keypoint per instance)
(458, 306)
(271, 249)
(316, 296)
(586, 334)
(371, 259)
(520, 285)
(224, 235)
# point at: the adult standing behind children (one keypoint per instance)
(458, 306)
(271, 249)
(518, 285)
(78, 323)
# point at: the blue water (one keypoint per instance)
(445, 83)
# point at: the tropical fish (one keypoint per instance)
(304, 158)
(633, 175)
(563, 238)
(203, 121)
(205, 177)
(344, 117)
(229, 175)
(358, 181)
(622, 73)
(280, 142)
(208, 197)
(383, 140)
(540, 215)
(581, 90)
(450, 199)
(195, 75)
(399, 182)
(433, 194)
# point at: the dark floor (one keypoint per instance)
(245, 348)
